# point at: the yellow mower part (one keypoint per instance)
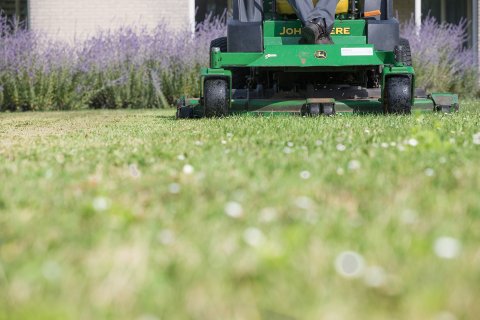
(283, 7)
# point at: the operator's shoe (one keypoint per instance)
(315, 32)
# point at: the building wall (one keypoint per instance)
(77, 19)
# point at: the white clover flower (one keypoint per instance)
(287, 150)
(234, 210)
(224, 142)
(101, 204)
(445, 315)
(341, 147)
(413, 142)
(48, 174)
(304, 203)
(429, 172)
(134, 171)
(409, 217)
(340, 171)
(188, 169)
(166, 237)
(290, 144)
(476, 138)
(447, 247)
(181, 157)
(60, 158)
(350, 264)
(268, 215)
(354, 165)
(229, 135)
(51, 271)
(253, 237)
(198, 143)
(375, 277)
(174, 188)
(305, 175)
(384, 145)
(147, 317)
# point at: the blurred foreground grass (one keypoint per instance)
(133, 215)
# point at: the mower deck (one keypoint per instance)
(438, 102)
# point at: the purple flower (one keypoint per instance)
(441, 60)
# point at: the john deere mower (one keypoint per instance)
(262, 66)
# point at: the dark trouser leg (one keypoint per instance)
(303, 8)
(248, 10)
(325, 9)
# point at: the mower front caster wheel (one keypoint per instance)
(329, 110)
(215, 97)
(317, 109)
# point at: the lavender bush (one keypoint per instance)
(441, 61)
(35, 72)
(127, 68)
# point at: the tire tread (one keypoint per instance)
(398, 95)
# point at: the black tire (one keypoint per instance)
(239, 75)
(398, 95)
(407, 51)
(184, 113)
(311, 110)
(314, 110)
(215, 95)
(221, 43)
(329, 110)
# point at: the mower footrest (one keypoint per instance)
(445, 102)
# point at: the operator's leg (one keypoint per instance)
(325, 9)
(318, 23)
(303, 9)
(248, 10)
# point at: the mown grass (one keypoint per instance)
(134, 215)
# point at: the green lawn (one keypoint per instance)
(134, 215)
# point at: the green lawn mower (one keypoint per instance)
(262, 67)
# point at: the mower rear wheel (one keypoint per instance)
(215, 95)
(398, 95)
(220, 43)
(407, 51)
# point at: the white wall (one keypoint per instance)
(77, 19)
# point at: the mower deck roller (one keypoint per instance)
(263, 67)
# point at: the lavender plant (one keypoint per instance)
(35, 72)
(441, 60)
(131, 67)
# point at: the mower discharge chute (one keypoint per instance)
(262, 67)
